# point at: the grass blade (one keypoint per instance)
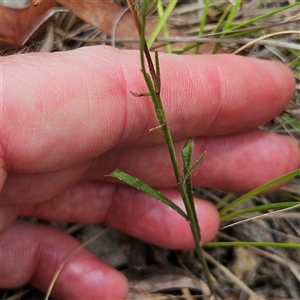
(147, 189)
(260, 17)
(259, 190)
(204, 17)
(259, 208)
(254, 244)
(160, 24)
(294, 123)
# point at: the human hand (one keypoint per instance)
(68, 119)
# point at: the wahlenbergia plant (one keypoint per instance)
(184, 182)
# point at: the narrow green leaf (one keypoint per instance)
(232, 14)
(186, 154)
(253, 244)
(186, 183)
(224, 201)
(289, 195)
(259, 208)
(228, 22)
(259, 190)
(135, 182)
(292, 121)
(195, 164)
(262, 16)
(163, 20)
(161, 11)
(222, 18)
(204, 16)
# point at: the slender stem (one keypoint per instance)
(183, 182)
(155, 92)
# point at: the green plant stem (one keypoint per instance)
(153, 83)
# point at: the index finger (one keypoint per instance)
(72, 106)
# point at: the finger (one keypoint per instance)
(76, 105)
(34, 188)
(9, 215)
(38, 252)
(235, 163)
(129, 210)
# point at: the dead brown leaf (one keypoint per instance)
(16, 22)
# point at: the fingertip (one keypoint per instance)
(285, 70)
(157, 223)
(269, 85)
(208, 218)
(281, 80)
(85, 277)
(291, 150)
(295, 150)
(43, 256)
(287, 152)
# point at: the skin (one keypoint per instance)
(68, 119)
